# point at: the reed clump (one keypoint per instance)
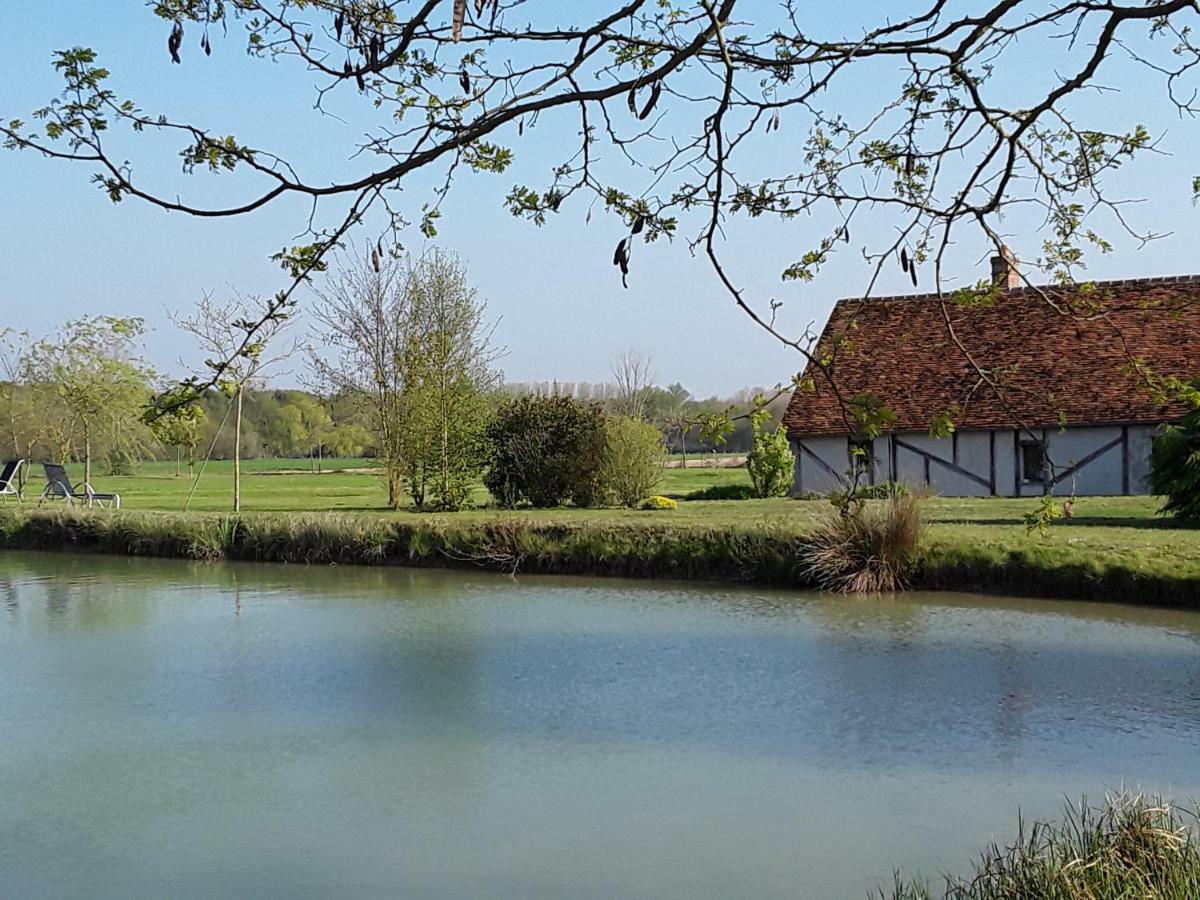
(865, 547)
(1131, 846)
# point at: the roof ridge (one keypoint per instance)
(1148, 281)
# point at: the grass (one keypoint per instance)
(1130, 847)
(1116, 548)
(283, 485)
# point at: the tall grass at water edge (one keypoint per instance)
(1129, 847)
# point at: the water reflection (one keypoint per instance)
(463, 733)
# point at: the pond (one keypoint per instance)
(169, 729)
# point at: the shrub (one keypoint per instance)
(865, 547)
(659, 503)
(883, 490)
(633, 459)
(546, 451)
(846, 497)
(1129, 847)
(770, 461)
(1175, 466)
(723, 492)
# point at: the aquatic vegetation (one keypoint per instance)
(1131, 846)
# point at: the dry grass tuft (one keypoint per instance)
(866, 548)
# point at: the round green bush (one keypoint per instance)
(1175, 467)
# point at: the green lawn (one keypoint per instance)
(981, 534)
(283, 485)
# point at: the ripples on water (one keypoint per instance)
(176, 729)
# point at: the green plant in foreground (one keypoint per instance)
(1041, 518)
(632, 466)
(546, 451)
(1175, 466)
(1130, 847)
(770, 461)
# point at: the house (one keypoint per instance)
(1066, 410)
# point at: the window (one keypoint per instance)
(862, 457)
(1033, 461)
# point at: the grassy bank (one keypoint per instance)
(1115, 548)
(1119, 556)
(763, 553)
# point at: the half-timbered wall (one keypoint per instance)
(1108, 460)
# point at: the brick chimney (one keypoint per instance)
(1004, 270)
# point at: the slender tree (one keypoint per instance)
(449, 360)
(92, 368)
(364, 313)
(408, 337)
(181, 429)
(220, 330)
(633, 373)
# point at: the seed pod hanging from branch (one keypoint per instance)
(175, 41)
(650, 104)
(621, 260)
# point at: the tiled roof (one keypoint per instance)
(1054, 368)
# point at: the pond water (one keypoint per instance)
(181, 730)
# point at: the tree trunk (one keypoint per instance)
(87, 455)
(178, 461)
(446, 501)
(237, 453)
(395, 485)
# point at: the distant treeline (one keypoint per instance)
(303, 424)
(275, 423)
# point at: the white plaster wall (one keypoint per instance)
(972, 456)
(1102, 475)
(814, 478)
(1006, 465)
(1141, 440)
(910, 468)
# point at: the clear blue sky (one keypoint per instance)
(67, 251)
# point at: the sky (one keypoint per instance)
(67, 251)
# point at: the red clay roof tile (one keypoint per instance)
(1053, 368)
